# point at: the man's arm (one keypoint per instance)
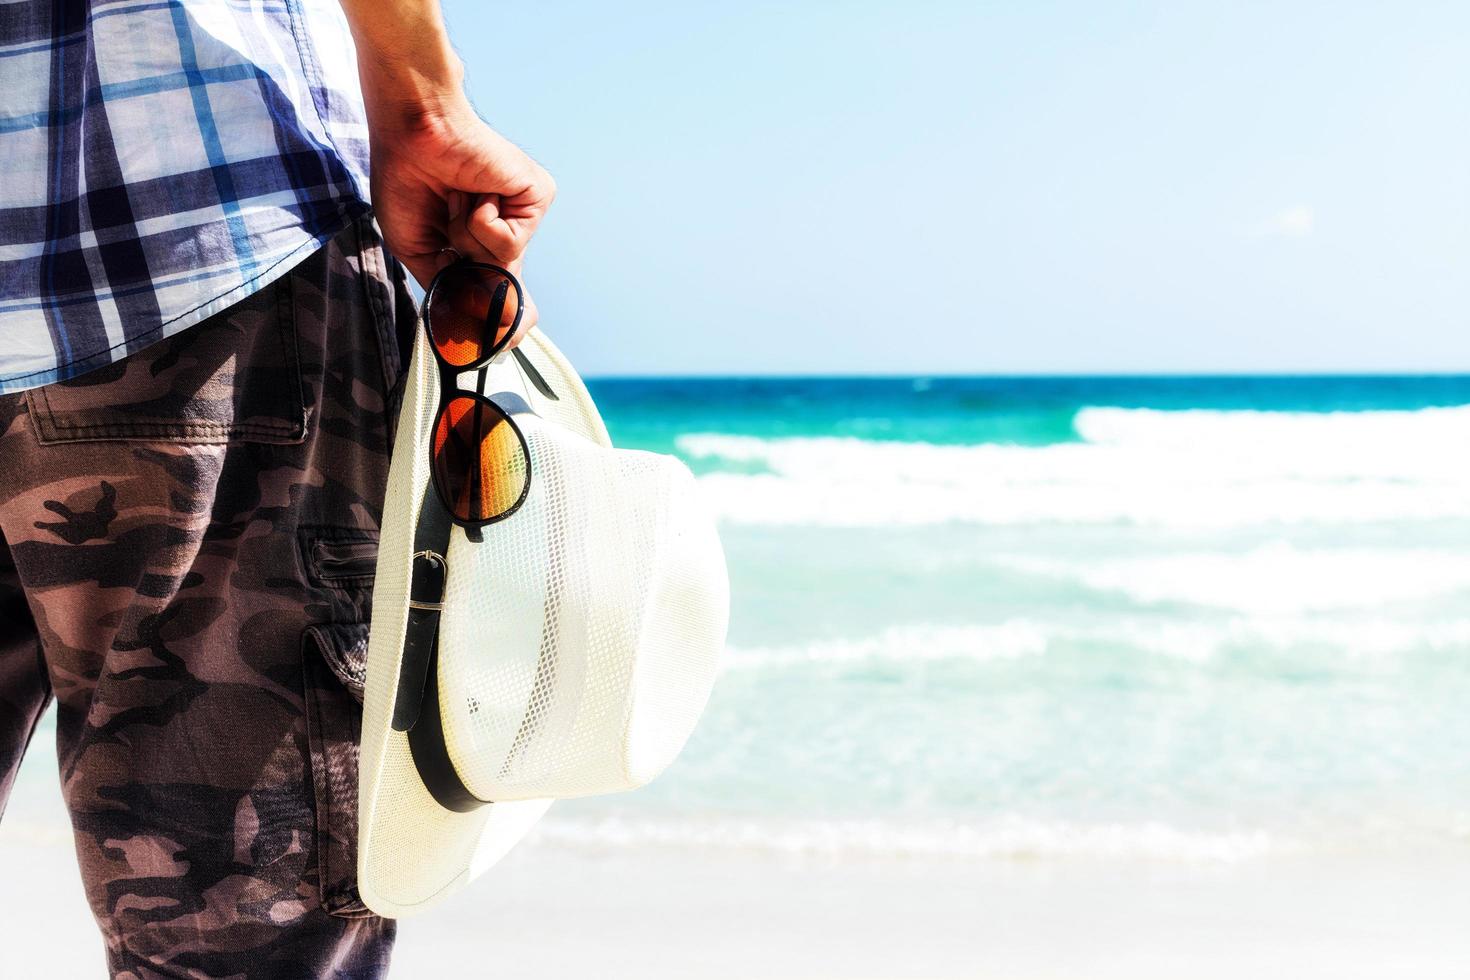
(441, 177)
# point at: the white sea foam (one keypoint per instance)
(1001, 641)
(1003, 838)
(1134, 466)
(1275, 578)
(1196, 640)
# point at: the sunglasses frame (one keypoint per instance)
(449, 388)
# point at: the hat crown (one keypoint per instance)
(580, 637)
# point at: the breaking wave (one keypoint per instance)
(1196, 468)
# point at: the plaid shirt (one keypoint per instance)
(159, 161)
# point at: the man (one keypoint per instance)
(201, 334)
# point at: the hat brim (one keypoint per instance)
(412, 852)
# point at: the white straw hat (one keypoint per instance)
(576, 646)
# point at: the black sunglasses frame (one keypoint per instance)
(449, 389)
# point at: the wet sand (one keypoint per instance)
(560, 911)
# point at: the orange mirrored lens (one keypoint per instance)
(480, 463)
(472, 311)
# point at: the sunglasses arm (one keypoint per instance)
(538, 382)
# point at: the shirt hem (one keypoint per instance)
(77, 366)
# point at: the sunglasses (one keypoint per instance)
(481, 465)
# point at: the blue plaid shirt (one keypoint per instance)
(159, 161)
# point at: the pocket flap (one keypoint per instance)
(344, 648)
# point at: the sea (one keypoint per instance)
(1158, 619)
(1202, 619)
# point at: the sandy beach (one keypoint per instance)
(556, 910)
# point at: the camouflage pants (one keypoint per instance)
(187, 542)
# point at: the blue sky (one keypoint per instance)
(1025, 187)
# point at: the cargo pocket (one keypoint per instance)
(334, 658)
(234, 377)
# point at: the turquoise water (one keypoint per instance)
(1166, 619)
(1177, 618)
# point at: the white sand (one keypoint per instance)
(555, 911)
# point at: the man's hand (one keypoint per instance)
(442, 179)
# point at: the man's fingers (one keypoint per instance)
(504, 215)
(493, 222)
(480, 234)
(457, 230)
